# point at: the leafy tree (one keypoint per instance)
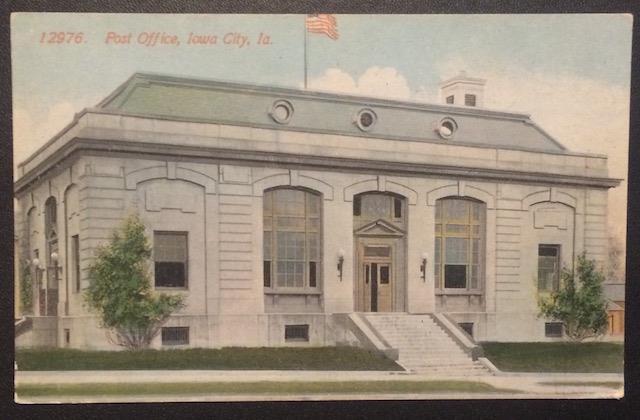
(615, 261)
(120, 288)
(26, 288)
(582, 308)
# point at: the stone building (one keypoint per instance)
(289, 217)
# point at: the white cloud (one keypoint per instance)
(385, 82)
(583, 114)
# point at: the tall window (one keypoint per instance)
(170, 259)
(50, 216)
(51, 226)
(75, 261)
(459, 244)
(292, 239)
(548, 267)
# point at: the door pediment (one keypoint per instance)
(379, 227)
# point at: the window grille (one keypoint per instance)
(296, 332)
(553, 329)
(470, 100)
(175, 336)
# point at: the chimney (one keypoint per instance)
(462, 90)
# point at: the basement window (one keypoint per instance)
(175, 336)
(553, 329)
(467, 327)
(296, 332)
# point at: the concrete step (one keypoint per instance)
(436, 367)
(424, 346)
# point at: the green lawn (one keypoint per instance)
(556, 357)
(240, 358)
(263, 387)
(607, 384)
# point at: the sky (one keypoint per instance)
(570, 72)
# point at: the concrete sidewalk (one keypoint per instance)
(532, 385)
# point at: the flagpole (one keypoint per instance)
(305, 52)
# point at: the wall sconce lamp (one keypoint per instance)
(57, 268)
(423, 267)
(35, 263)
(340, 262)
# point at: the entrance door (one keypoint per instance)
(377, 287)
(376, 280)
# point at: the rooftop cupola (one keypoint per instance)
(462, 90)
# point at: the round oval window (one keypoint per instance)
(281, 111)
(365, 119)
(446, 128)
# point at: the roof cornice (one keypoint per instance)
(251, 157)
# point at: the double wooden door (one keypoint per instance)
(375, 279)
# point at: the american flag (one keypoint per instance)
(323, 24)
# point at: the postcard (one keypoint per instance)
(319, 207)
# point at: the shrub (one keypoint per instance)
(581, 307)
(120, 288)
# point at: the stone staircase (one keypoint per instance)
(23, 325)
(424, 346)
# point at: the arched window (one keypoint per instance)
(31, 225)
(49, 291)
(459, 244)
(50, 218)
(292, 239)
(51, 227)
(379, 205)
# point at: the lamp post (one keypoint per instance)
(340, 262)
(423, 267)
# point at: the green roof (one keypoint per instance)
(186, 99)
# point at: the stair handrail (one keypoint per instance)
(370, 337)
(454, 331)
(22, 325)
(374, 330)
